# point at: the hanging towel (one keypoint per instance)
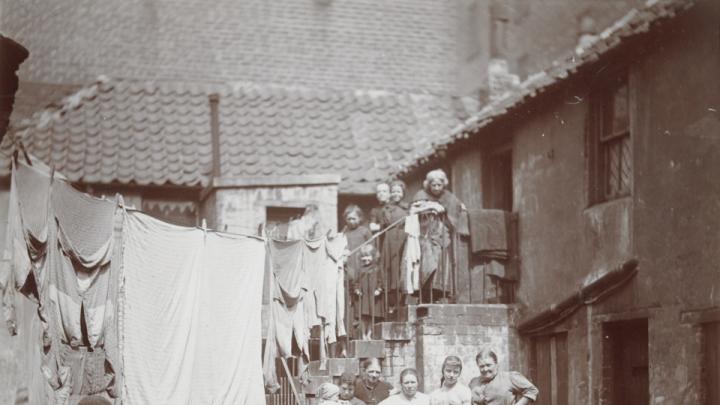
(191, 315)
(489, 232)
(410, 271)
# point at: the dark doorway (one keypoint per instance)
(711, 366)
(625, 362)
(549, 368)
(497, 180)
(277, 219)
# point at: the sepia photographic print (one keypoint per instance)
(360, 202)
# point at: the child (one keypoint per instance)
(356, 234)
(451, 391)
(368, 290)
(393, 243)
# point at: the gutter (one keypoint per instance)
(588, 294)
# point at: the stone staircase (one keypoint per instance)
(390, 346)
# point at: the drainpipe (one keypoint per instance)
(215, 134)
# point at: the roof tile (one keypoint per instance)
(159, 132)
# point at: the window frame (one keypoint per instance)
(600, 141)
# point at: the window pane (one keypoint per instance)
(626, 165)
(620, 112)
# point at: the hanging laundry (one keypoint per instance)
(191, 315)
(289, 286)
(85, 225)
(27, 227)
(81, 302)
(314, 259)
(335, 287)
(410, 271)
(489, 233)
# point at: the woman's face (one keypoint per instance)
(451, 375)
(436, 187)
(396, 194)
(409, 385)
(488, 368)
(372, 374)
(382, 193)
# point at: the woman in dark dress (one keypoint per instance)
(443, 219)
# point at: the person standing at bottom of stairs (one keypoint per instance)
(370, 388)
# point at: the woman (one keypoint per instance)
(443, 220)
(495, 387)
(408, 393)
(451, 391)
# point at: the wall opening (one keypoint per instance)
(277, 219)
(711, 362)
(625, 362)
(497, 180)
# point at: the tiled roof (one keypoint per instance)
(156, 133)
(635, 22)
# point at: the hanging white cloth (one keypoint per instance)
(191, 315)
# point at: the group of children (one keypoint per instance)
(373, 268)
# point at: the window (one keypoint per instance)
(174, 211)
(610, 141)
(711, 362)
(549, 368)
(625, 362)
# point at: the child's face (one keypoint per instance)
(382, 193)
(352, 220)
(396, 194)
(366, 260)
(451, 374)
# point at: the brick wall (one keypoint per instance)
(399, 45)
(528, 34)
(461, 330)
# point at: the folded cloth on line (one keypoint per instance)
(191, 315)
(489, 231)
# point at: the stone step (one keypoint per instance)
(363, 349)
(314, 382)
(394, 331)
(334, 367)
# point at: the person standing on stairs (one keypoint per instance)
(370, 388)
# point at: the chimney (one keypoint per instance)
(12, 55)
(501, 82)
(215, 133)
